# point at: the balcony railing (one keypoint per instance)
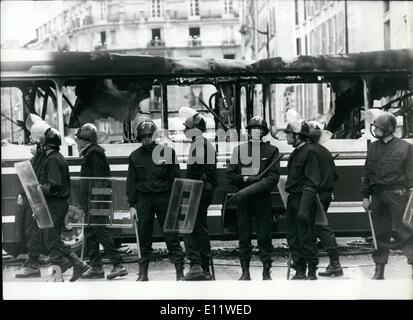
(194, 42)
(156, 43)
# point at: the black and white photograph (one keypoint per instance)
(207, 150)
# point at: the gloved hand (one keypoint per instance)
(133, 213)
(252, 179)
(366, 204)
(306, 203)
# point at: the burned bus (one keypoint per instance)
(116, 92)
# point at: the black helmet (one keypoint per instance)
(385, 121)
(299, 127)
(195, 121)
(258, 121)
(144, 128)
(52, 137)
(87, 132)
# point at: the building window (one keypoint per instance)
(194, 8)
(156, 38)
(387, 35)
(272, 21)
(103, 38)
(229, 56)
(156, 8)
(386, 6)
(298, 46)
(296, 11)
(103, 9)
(113, 38)
(194, 36)
(228, 6)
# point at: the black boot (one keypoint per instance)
(179, 267)
(205, 264)
(195, 273)
(312, 269)
(379, 272)
(333, 269)
(143, 271)
(300, 272)
(79, 267)
(266, 271)
(245, 266)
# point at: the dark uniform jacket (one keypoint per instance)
(202, 163)
(95, 163)
(54, 176)
(328, 173)
(303, 170)
(267, 155)
(388, 165)
(145, 176)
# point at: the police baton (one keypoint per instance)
(289, 265)
(372, 229)
(135, 223)
(278, 159)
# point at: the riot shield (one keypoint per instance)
(34, 194)
(183, 206)
(408, 212)
(96, 201)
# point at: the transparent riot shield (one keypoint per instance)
(99, 202)
(183, 206)
(34, 194)
(408, 212)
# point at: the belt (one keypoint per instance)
(382, 187)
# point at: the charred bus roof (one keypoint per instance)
(21, 64)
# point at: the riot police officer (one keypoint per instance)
(31, 231)
(202, 167)
(387, 177)
(55, 183)
(253, 199)
(148, 188)
(302, 184)
(95, 164)
(325, 190)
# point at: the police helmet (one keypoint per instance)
(258, 121)
(52, 137)
(87, 132)
(385, 121)
(301, 128)
(144, 128)
(315, 131)
(195, 121)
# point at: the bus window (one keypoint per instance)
(11, 112)
(310, 101)
(114, 106)
(183, 98)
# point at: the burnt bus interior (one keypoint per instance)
(227, 93)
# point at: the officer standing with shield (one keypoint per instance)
(302, 185)
(202, 167)
(254, 197)
(55, 183)
(387, 177)
(31, 231)
(148, 188)
(325, 191)
(95, 164)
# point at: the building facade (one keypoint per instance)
(173, 28)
